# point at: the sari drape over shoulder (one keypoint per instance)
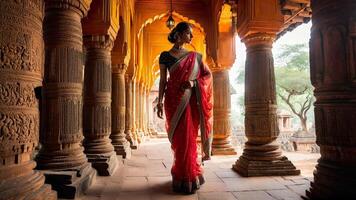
(187, 111)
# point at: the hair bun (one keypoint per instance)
(172, 36)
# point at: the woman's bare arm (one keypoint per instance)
(162, 82)
(161, 90)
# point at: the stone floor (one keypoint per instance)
(146, 176)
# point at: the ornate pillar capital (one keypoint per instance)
(213, 66)
(81, 7)
(98, 42)
(119, 69)
(259, 39)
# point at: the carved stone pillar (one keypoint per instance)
(138, 99)
(262, 155)
(61, 156)
(333, 74)
(128, 108)
(133, 114)
(21, 64)
(144, 112)
(97, 105)
(130, 135)
(118, 136)
(149, 112)
(222, 111)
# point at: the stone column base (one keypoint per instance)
(124, 150)
(72, 183)
(105, 164)
(332, 181)
(45, 193)
(134, 145)
(140, 137)
(153, 133)
(280, 167)
(27, 187)
(222, 146)
(134, 140)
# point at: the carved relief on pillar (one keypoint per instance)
(97, 104)
(21, 63)
(333, 67)
(222, 106)
(80, 7)
(118, 136)
(260, 94)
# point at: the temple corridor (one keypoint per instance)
(75, 78)
(146, 176)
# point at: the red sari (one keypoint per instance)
(187, 111)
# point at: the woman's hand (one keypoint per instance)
(160, 110)
(187, 84)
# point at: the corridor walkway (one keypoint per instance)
(146, 176)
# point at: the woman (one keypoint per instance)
(188, 107)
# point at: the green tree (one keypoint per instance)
(294, 88)
(240, 79)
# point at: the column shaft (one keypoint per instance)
(118, 136)
(97, 104)
(138, 112)
(134, 112)
(144, 112)
(222, 112)
(130, 133)
(262, 155)
(61, 118)
(21, 64)
(333, 67)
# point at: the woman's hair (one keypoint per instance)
(180, 28)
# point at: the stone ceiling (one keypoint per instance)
(295, 13)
